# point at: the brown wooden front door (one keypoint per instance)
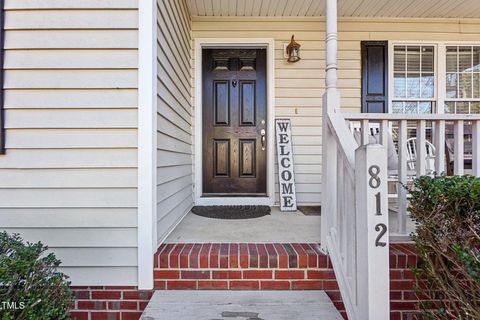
(234, 122)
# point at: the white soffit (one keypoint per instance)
(346, 8)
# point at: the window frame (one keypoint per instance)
(391, 72)
(440, 67)
(466, 44)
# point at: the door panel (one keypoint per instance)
(234, 115)
(222, 158)
(221, 102)
(247, 103)
(247, 158)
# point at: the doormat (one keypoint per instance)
(231, 212)
(311, 210)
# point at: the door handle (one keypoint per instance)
(263, 139)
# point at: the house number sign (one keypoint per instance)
(286, 178)
(374, 183)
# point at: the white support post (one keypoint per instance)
(331, 44)
(331, 104)
(371, 203)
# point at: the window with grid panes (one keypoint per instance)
(462, 77)
(414, 79)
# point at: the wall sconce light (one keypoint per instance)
(293, 51)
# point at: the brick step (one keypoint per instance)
(243, 266)
(240, 266)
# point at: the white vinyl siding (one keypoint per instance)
(174, 116)
(69, 175)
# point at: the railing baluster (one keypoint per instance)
(365, 132)
(402, 177)
(341, 205)
(421, 148)
(440, 146)
(458, 148)
(476, 148)
(352, 254)
(384, 133)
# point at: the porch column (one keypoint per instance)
(331, 37)
(330, 104)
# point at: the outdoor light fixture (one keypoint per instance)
(293, 51)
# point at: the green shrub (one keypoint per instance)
(31, 288)
(447, 213)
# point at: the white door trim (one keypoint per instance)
(269, 44)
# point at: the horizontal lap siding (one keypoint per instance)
(69, 177)
(299, 86)
(174, 116)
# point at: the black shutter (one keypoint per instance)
(375, 76)
(2, 45)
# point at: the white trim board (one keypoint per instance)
(147, 141)
(269, 44)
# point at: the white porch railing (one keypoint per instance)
(444, 144)
(356, 176)
(355, 222)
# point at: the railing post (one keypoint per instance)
(371, 206)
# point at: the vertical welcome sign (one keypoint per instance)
(286, 178)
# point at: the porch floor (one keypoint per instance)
(278, 227)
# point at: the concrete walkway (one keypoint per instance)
(240, 305)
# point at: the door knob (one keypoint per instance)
(262, 139)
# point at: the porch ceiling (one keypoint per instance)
(346, 8)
